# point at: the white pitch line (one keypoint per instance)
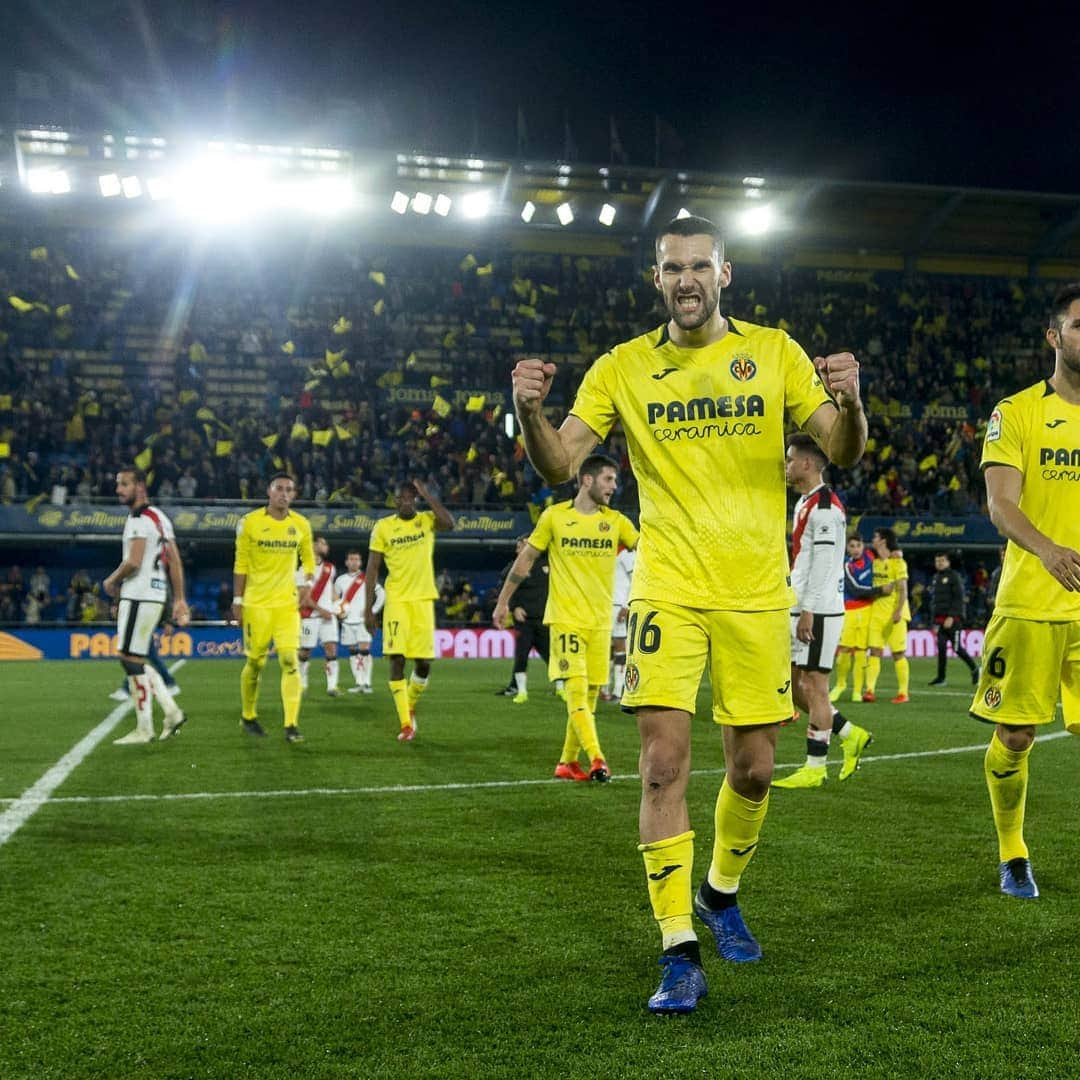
(35, 797)
(396, 789)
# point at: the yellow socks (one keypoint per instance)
(1006, 778)
(291, 687)
(582, 719)
(858, 673)
(249, 686)
(903, 674)
(669, 865)
(400, 693)
(416, 687)
(873, 670)
(738, 824)
(843, 666)
(571, 746)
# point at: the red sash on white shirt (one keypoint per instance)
(325, 573)
(352, 590)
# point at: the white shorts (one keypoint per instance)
(817, 655)
(316, 631)
(136, 621)
(618, 626)
(354, 633)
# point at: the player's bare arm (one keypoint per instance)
(444, 520)
(901, 599)
(521, 569)
(129, 566)
(1003, 486)
(239, 583)
(181, 613)
(556, 454)
(840, 430)
(371, 576)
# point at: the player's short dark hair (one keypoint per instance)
(353, 551)
(942, 555)
(320, 536)
(802, 443)
(889, 536)
(279, 476)
(594, 465)
(1062, 301)
(137, 474)
(407, 485)
(693, 226)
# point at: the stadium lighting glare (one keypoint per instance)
(754, 181)
(109, 185)
(131, 187)
(476, 204)
(753, 193)
(158, 188)
(443, 204)
(48, 181)
(527, 212)
(607, 215)
(400, 202)
(757, 221)
(508, 425)
(421, 203)
(564, 213)
(683, 212)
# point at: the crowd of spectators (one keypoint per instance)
(367, 367)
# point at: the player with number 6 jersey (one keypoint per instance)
(582, 538)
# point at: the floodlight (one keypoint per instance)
(109, 185)
(508, 425)
(752, 193)
(607, 214)
(527, 212)
(683, 212)
(758, 221)
(131, 187)
(48, 181)
(421, 203)
(158, 188)
(400, 202)
(754, 181)
(443, 204)
(564, 213)
(476, 204)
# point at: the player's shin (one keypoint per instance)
(249, 686)
(142, 697)
(417, 686)
(858, 674)
(669, 866)
(399, 691)
(903, 673)
(873, 670)
(571, 746)
(161, 692)
(738, 825)
(581, 716)
(1006, 779)
(843, 668)
(332, 675)
(291, 690)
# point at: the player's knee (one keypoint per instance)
(664, 766)
(257, 663)
(132, 666)
(304, 654)
(1015, 738)
(422, 668)
(288, 660)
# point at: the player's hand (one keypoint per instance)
(498, 616)
(888, 588)
(896, 616)
(303, 597)
(948, 623)
(237, 614)
(531, 381)
(1063, 564)
(623, 613)
(371, 622)
(839, 372)
(519, 614)
(804, 628)
(181, 613)
(421, 489)
(324, 614)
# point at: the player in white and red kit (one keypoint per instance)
(620, 600)
(350, 591)
(318, 621)
(818, 541)
(150, 563)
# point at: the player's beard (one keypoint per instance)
(696, 319)
(1070, 357)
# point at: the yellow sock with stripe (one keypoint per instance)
(1006, 778)
(291, 687)
(571, 745)
(843, 667)
(669, 867)
(594, 696)
(400, 693)
(903, 674)
(416, 687)
(582, 719)
(858, 673)
(873, 670)
(249, 687)
(738, 825)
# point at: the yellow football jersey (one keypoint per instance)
(1038, 432)
(408, 549)
(267, 551)
(705, 434)
(582, 549)
(885, 570)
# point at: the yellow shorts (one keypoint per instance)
(886, 634)
(409, 629)
(265, 624)
(574, 653)
(748, 655)
(855, 633)
(1026, 667)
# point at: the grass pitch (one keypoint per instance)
(219, 906)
